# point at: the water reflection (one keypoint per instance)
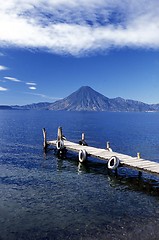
(59, 165)
(83, 168)
(124, 178)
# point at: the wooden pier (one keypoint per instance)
(113, 159)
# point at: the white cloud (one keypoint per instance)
(3, 89)
(79, 26)
(12, 79)
(43, 96)
(3, 68)
(31, 83)
(32, 88)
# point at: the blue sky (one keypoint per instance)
(48, 49)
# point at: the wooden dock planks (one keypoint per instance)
(133, 162)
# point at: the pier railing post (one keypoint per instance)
(138, 155)
(59, 134)
(83, 137)
(60, 146)
(45, 139)
(82, 141)
(108, 147)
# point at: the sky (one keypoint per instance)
(50, 48)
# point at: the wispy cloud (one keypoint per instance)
(43, 96)
(12, 79)
(31, 83)
(3, 89)
(32, 88)
(79, 27)
(3, 68)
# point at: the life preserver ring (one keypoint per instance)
(113, 163)
(82, 155)
(60, 144)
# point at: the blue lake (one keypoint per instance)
(43, 197)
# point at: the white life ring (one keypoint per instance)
(82, 155)
(60, 144)
(113, 163)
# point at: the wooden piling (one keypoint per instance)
(83, 137)
(59, 134)
(82, 141)
(138, 155)
(45, 139)
(60, 147)
(108, 147)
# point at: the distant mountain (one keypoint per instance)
(122, 105)
(5, 107)
(87, 99)
(84, 99)
(33, 106)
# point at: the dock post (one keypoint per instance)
(138, 155)
(83, 137)
(45, 139)
(59, 134)
(82, 141)
(108, 147)
(61, 149)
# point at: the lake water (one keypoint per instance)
(43, 197)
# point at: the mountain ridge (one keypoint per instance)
(87, 99)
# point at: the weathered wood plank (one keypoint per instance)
(105, 154)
